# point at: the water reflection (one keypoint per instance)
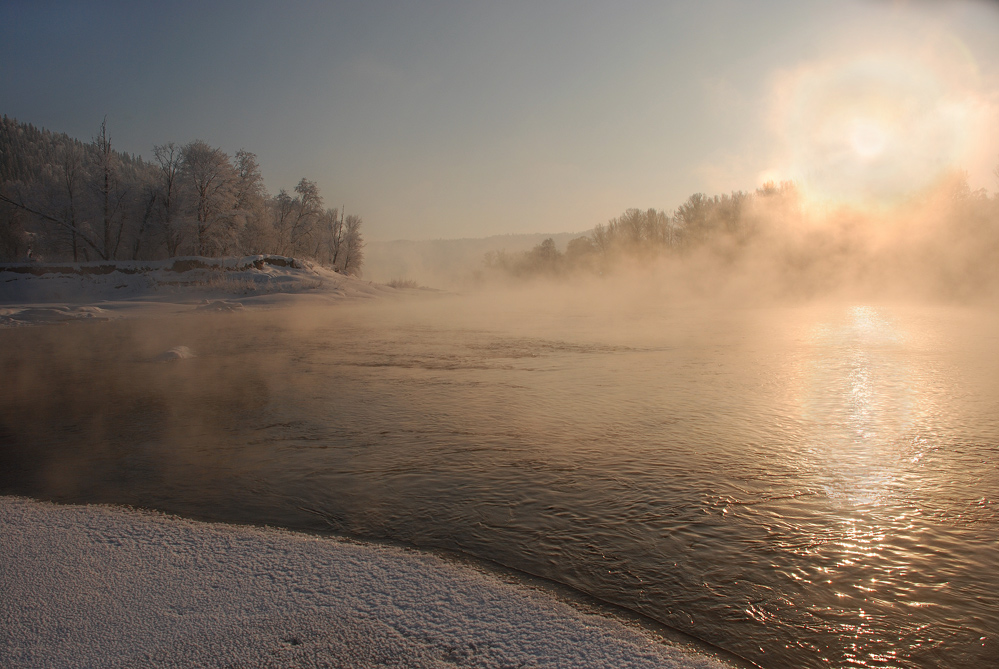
(862, 398)
(805, 487)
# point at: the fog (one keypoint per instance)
(774, 245)
(768, 418)
(663, 428)
(647, 278)
(731, 417)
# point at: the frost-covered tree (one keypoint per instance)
(14, 238)
(53, 202)
(297, 221)
(332, 237)
(62, 199)
(212, 179)
(308, 210)
(256, 235)
(167, 187)
(110, 192)
(72, 174)
(352, 252)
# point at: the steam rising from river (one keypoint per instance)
(776, 479)
(773, 246)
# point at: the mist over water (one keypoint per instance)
(767, 418)
(804, 485)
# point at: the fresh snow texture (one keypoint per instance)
(50, 314)
(109, 587)
(256, 278)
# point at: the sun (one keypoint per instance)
(868, 138)
(871, 130)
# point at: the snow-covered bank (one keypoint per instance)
(109, 587)
(38, 293)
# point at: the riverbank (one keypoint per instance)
(113, 587)
(37, 293)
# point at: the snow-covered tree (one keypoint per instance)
(166, 185)
(256, 235)
(62, 199)
(352, 253)
(212, 179)
(110, 192)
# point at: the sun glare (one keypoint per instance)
(871, 130)
(868, 138)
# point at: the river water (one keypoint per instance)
(805, 486)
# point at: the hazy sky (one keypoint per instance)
(464, 119)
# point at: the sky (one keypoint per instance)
(438, 119)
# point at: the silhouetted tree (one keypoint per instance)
(581, 253)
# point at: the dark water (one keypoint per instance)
(807, 487)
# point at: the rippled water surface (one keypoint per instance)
(809, 486)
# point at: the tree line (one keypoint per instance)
(942, 241)
(66, 200)
(724, 222)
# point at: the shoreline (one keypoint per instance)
(112, 586)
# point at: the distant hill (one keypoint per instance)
(446, 263)
(26, 152)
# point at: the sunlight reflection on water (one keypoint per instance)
(861, 397)
(806, 487)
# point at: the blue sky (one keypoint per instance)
(465, 119)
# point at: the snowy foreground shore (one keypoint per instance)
(93, 586)
(110, 587)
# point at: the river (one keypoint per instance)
(805, 486)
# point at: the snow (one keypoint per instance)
(175, 353)
(29, 315)
(222, 306)
(43, 293)
(111, 587)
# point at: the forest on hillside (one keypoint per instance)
(62, 199)
(942, 241)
